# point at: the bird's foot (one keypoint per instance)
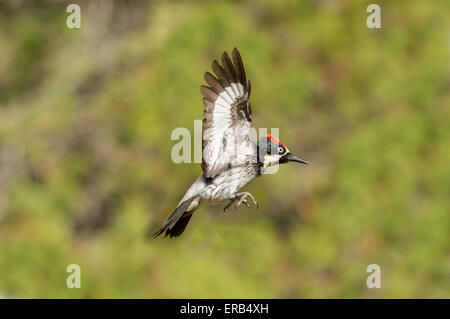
(243, 199)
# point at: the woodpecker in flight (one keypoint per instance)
(230, 159)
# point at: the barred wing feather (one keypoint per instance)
(227, 115)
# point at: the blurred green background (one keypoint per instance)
(86, 117)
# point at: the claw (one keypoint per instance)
(243, 199)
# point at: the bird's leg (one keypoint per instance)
(243, 199)
(230, 203)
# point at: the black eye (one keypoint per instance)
(281, 150)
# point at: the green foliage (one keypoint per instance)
(85, 173)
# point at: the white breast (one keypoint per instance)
(224, 186)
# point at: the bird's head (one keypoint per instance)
(272, 152)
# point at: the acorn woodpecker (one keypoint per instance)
(230, 159)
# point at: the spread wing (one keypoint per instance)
(227, 115)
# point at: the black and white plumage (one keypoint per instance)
(227, 115)
(230, 159)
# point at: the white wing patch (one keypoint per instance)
(227, 115)
(221, 129)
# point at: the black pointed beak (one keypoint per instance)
(291, 158)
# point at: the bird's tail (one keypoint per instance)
(176, 223)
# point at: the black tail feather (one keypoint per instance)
(179, 227)
(177, 221)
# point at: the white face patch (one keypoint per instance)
(270, 164)
(270, 160)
